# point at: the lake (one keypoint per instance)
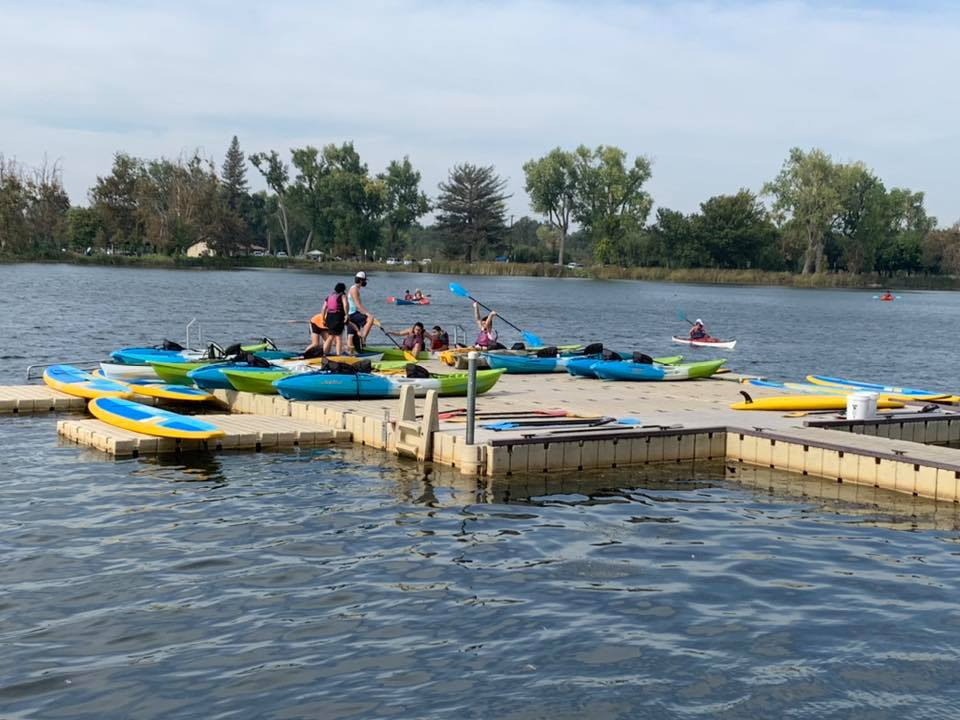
(342, 583)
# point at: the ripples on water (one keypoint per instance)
(325, 584)
(338, 583)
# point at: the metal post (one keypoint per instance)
(471, 393)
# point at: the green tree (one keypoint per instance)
(472, 207)
(403, 202)
(233, 176)
(13, 207)
(610, 199)
(277, 175)
(551, 183)
(806, 200)
(83, 224)
(115, 200)
(675, 240)
(734, 230)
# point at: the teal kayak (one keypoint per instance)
(583, 366)
(326, 385)
(515, 364)
(629, 370)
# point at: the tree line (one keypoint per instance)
(591, 206)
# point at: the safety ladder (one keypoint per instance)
(415, 436)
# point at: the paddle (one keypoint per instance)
(407, 355)
(528, 337)
(555, 423)
(455, 414)
(681, 315)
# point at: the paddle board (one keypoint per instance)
(180, 393)
(80, 383)
(805, 402)
(151, 420)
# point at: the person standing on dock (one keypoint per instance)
(361, 319)
(335, 318)
(488, 336)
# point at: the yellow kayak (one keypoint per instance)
(807, 402)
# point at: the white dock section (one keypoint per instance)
(23, 399)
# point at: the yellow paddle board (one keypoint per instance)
(806, 402)
(151, 420)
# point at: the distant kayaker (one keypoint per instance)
(407, 295)
(488, 336)
(698, 331)
(439, 339)
(417, 295)
(361, 319)
(335, 318)
(414, 338)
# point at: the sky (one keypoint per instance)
(714, 93)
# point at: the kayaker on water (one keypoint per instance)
(413, 337)
(488, 336)
(417, 295)
(698, 331)
(407, 295)
(361, 319)
(439, 339)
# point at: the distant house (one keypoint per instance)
(200, 249)
(501, 258)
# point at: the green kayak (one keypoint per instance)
(390, 352)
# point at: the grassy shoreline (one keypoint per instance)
(704, 276)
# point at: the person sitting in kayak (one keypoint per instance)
(488, 336)
(360, 319)
(417, 295)
(414, 338)
(439, 339)
(887, 296)
(407, 295)
(698, 332)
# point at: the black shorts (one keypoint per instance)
(358, 319)
(335, 323)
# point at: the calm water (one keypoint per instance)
(337, 583)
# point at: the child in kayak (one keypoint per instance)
(488, 336)
(698, 331)
(407, 295)
(417, 295)
(414, 338)
(439, 340)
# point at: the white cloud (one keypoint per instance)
(715, 93)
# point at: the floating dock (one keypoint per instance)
(241, 432)
(675, 422)
(23, 399)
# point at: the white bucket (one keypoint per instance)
(861, 405)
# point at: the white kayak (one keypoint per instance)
(707, 343)
(121, 371)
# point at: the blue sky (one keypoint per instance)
(714, 93)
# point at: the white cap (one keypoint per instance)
(362, 275)
(698, 322)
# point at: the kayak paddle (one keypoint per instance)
(407, 355)
(567, 423)
(528, 337)
(681, 315)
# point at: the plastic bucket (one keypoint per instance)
(861, 406)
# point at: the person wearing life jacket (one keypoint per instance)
(488, 336)
(335, 312)
(407, 295)
(439, 339)
(360, 320)
(414, 338)
(698, 332)
(417, 295)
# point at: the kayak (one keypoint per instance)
(392, 352)
(325, 385)
(706, 343)
(806, 402)
(260, 380)
(80, 383)
(629, 370)
(123, 371)
(583, 366)
(143, 356)
(401, 301)
(151, 420)
(516, 364)
(842, 390)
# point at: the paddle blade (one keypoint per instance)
(500, 426)
(629, 421)
(530, 339)
(458, 290)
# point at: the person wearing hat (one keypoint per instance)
(361, 319)
(698, 331)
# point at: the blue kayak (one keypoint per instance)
(629, 370)
(212, 377)
(326, 385)
(530, 363)
(582, 366)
